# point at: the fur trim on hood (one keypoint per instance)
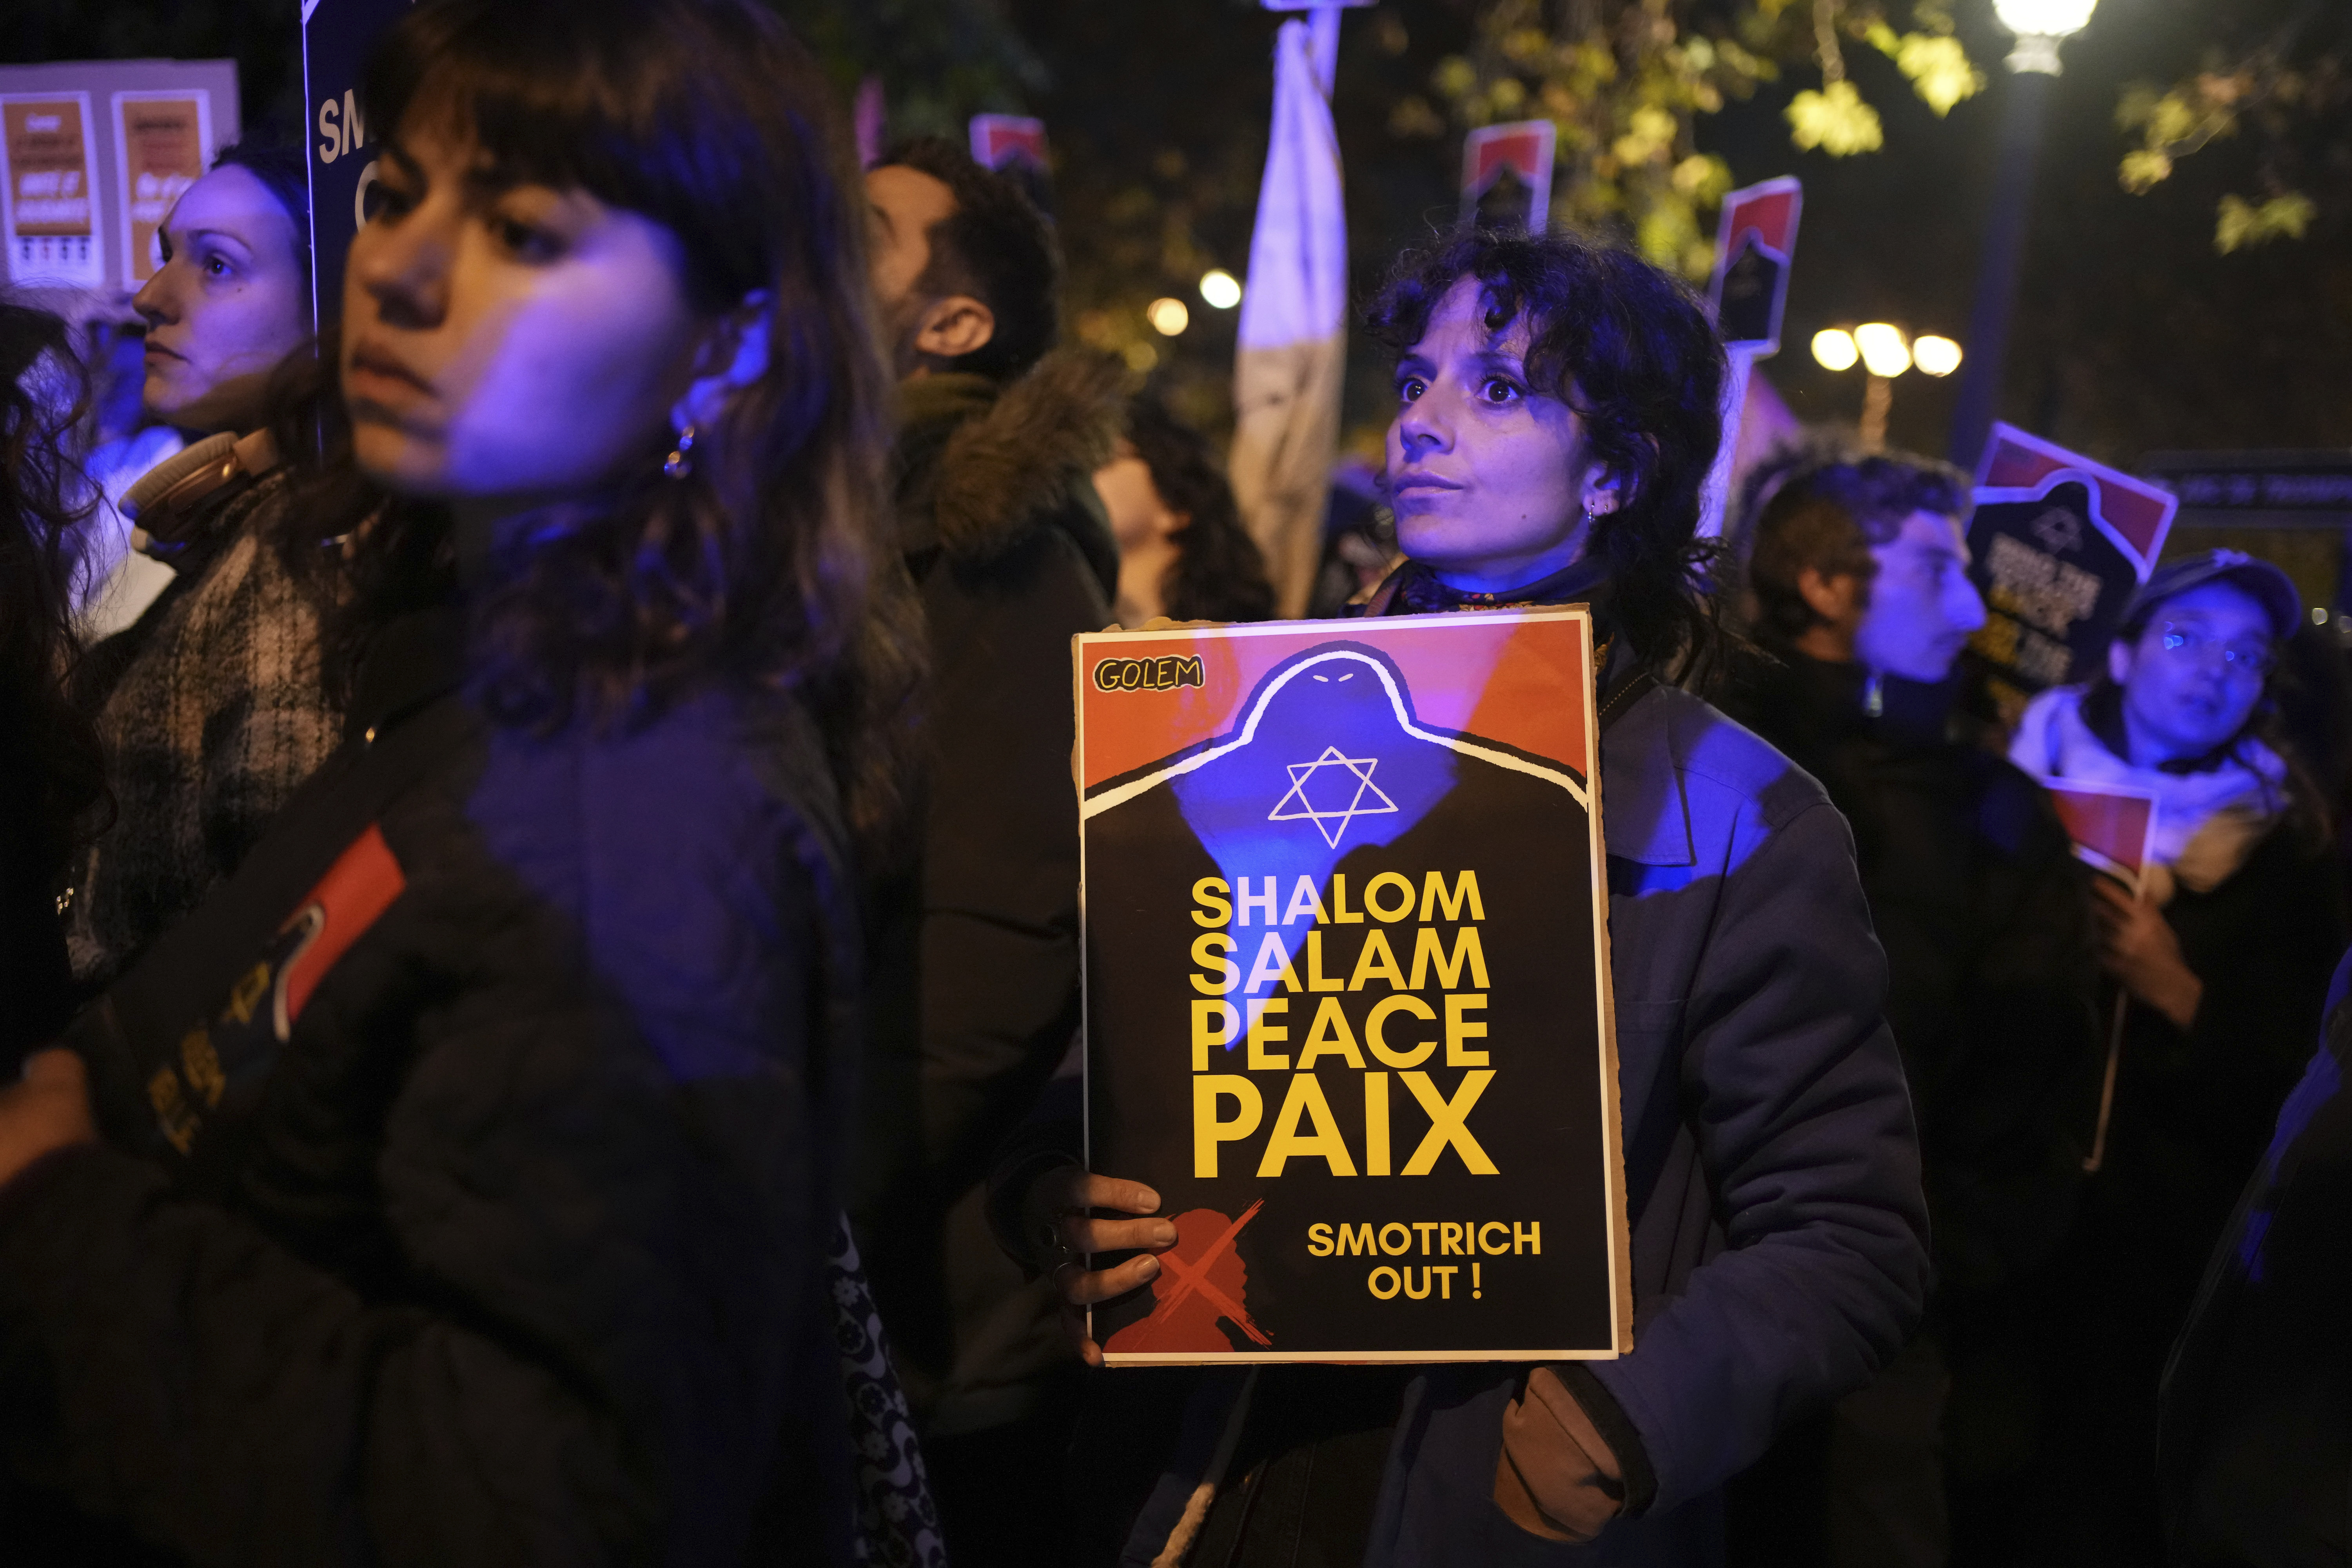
(1044, 437)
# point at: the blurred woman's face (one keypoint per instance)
(2192, 677)
(504, 341)
(231, 300)
(1489, 479)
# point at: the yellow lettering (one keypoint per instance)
(1305, 1098)
(1434, 895)
(1329, 1036)
(1341, 915)
(1377, 961)
(1493, 1248)
(1318, 1240)
(1429, 953)
(1215, 1025)
(1374, 1024)
(1355, 1241)
(1458, 1029)
(1448, 1123)
(1528, 1238)
(1303, 899)
(1214, 910)
(1315, 979)
(1207, 1130)
(1372, 898)
(1208, 950)
(251, 987)
(1262, 1035)
(1272, 963)
(1376, 1124)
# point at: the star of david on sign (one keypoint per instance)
(1345, 778)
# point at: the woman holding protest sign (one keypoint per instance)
(466, 1170)
(1556, 416)
(2223, 961)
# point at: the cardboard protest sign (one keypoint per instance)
(92, 156)
(1506, 175)
(1755, 239)
(48, 216)
(162, 145)
(2113, 827)
(1015, 146)
(337, 38)
(1347, 988)
(2060, 543)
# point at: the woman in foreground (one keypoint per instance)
(1556, 418)
(470, 1163)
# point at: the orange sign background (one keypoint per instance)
(1497, 680)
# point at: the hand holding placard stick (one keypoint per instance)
(2114, 830)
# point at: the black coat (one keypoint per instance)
(2256, 1446)
(1991, 959)
(975, 976)
(522, 1262)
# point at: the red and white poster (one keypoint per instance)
(1755, 239)
(1506, 175)
(1347, 988)
(162, 145)
(2113, 827)
(48, 216)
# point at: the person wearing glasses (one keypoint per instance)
(2223, 966)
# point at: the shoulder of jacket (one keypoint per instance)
(1716, 754)
(1006, 470)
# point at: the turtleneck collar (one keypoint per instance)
(1419, 590)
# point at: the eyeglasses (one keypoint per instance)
(2248, 657)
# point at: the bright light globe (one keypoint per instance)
(1220, 288)
(1168, 317)
(1834, 349)
(1936, 356)
(1884, 351)
(2045, 18)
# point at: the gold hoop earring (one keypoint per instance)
(681, 461)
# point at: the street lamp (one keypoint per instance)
(1883, 352)
(2040, 25)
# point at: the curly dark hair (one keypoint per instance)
(1826, 514)
(1219, 574)
(995, 246)
(52, 771)
(1631, 350)
(771, 563)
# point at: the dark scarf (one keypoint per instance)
(1583, 581)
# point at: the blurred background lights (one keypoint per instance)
(1884, 351)
(2045, 18)
(1168, 317)
(1936, 356)
(1220, 288)
(1834, 349)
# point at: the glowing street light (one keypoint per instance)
(1167, 316)
(1220, 288)
(1834, 349)
(1934, 355)
(2040, 26)
(1884, 351)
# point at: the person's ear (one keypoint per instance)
(1605, 491)
(2119, 661)
(1834, 597)
(955, 326)
(733, 355)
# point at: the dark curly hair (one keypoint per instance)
(771, 563)
(995, 246)
(1631, 349)
(52, 771)
(1826, 514)
(1219, 574)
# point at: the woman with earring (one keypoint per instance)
(457, 1185)
(1556, 418)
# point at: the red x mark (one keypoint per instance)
(1192, 1274)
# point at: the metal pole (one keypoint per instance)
(2003, 258)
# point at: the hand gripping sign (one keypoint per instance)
(1347, 988)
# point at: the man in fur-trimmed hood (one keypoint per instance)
(974, 977)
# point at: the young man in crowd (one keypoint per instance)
(1859, 590)
(975, 972)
